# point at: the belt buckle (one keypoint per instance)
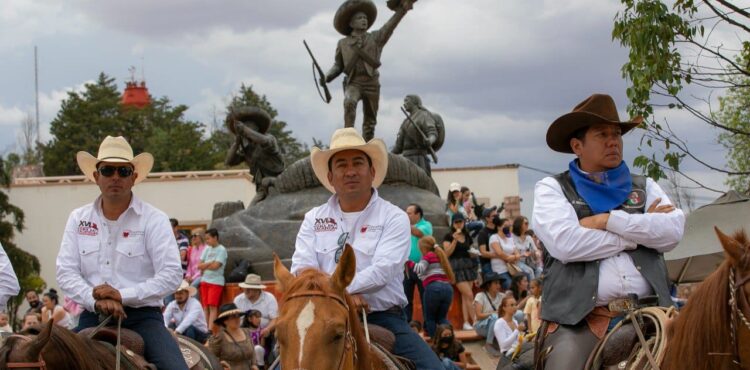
(619, 305)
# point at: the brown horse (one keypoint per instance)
(712, 331)
(317, 327)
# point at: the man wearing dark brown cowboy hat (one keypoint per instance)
(605, 230)
(255, 146)
(118, 254)
(358, 57)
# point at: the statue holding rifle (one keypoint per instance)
(358, 57)
(421, 134)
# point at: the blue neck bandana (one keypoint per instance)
(602, 191)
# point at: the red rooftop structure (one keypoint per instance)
(136, 93)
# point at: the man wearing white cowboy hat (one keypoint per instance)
(254, 298)
(605, 231)
(118, 255)
(184, 315)
(378, 231)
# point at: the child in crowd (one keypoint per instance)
(213, 262)
(519, 287)
(31, 319)
(5, 323)
(449, 350)
(507, 329)
(436, 274)
(253, 323)
(532, 309)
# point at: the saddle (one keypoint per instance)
(382, 344)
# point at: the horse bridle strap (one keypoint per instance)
(40, 364)
(737, 301)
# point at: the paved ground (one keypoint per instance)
(484, 360)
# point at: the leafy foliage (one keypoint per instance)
(734, 112)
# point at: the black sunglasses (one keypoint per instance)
(194, 235)
(109, 171)
(340, 250)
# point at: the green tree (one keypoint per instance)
(87, 117)
(669, 49)
(291, 148)
(25, 265)
(734, 113)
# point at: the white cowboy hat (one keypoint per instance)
(116, 150)
(345, 139)
(252, 281)
(184, 285)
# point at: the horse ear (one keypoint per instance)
(281, 273)
(732, 247)
(41, 340)
(345, 270)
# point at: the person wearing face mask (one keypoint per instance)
(450, 351)
(502, 244)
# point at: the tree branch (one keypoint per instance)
(725, 17)
(734, 8)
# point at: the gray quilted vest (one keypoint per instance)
(570, 288)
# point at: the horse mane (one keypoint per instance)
(703, 324)
(311, 279)
(64, 348)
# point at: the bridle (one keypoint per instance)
(40, 364)
(350, 345)
(738, 307)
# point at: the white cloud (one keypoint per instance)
(21, 21)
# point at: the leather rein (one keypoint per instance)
(738, 303)
(350, 345)
(40, 364)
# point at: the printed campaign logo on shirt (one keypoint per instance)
(325, 224)
(371, 228)
(131, 233)
(87, 228)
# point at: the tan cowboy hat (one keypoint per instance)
(184, 285)
(597, 108)
(344, 14)
(246, 114)
(252, 281)
(115, 150)
(345, 139)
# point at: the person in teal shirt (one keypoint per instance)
(419, 228)
(213, 262)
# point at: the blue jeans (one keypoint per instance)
(437, 300)
(486, 328)
(505, 280)
(408, 343)
(160, 347)
(192, 333)
(448, 364)
(410, 281)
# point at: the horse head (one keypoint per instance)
(316, 329)
(24, 351)
(737, 250)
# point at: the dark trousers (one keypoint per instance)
(437, 301)
(408, 343)
(161, 348)
(192, 333)
(411, 280)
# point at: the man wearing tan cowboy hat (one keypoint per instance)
(605, 230)
(358, 57)
(378, 231)
(254, 298)
(184, 315)
(118, 255)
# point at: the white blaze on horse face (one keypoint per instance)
(304, 321)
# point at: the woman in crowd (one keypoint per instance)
(507, 329)
(233, 344)
(502, 244)
(486, 304)
(456, 245)
(450, 351)
(454, 204)
(52, 310)
(519, 287)
(526, 247)
(532, 307)
(436, 274)
(197, 245)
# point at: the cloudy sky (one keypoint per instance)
(498, 71)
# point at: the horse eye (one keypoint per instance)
(337, 337)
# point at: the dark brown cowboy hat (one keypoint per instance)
(597, 108)
(249, 114)
(350, 7)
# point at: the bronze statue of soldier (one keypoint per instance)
(358, 57)
(421, 134)
(255, 146)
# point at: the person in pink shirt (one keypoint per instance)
(197, 245)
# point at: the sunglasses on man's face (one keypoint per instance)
(109, 171)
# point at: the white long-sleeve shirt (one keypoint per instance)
(556, 224)
(191, 314)
(8, 281)
(506, 337)
(137, 255)
(380, 236)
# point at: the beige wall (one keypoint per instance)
(187, 196)
(491, 182)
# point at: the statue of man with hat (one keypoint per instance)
(605, 231)
(421, 131)
(118, 255)
(378, 231)
(358, 57)
(254, 145)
